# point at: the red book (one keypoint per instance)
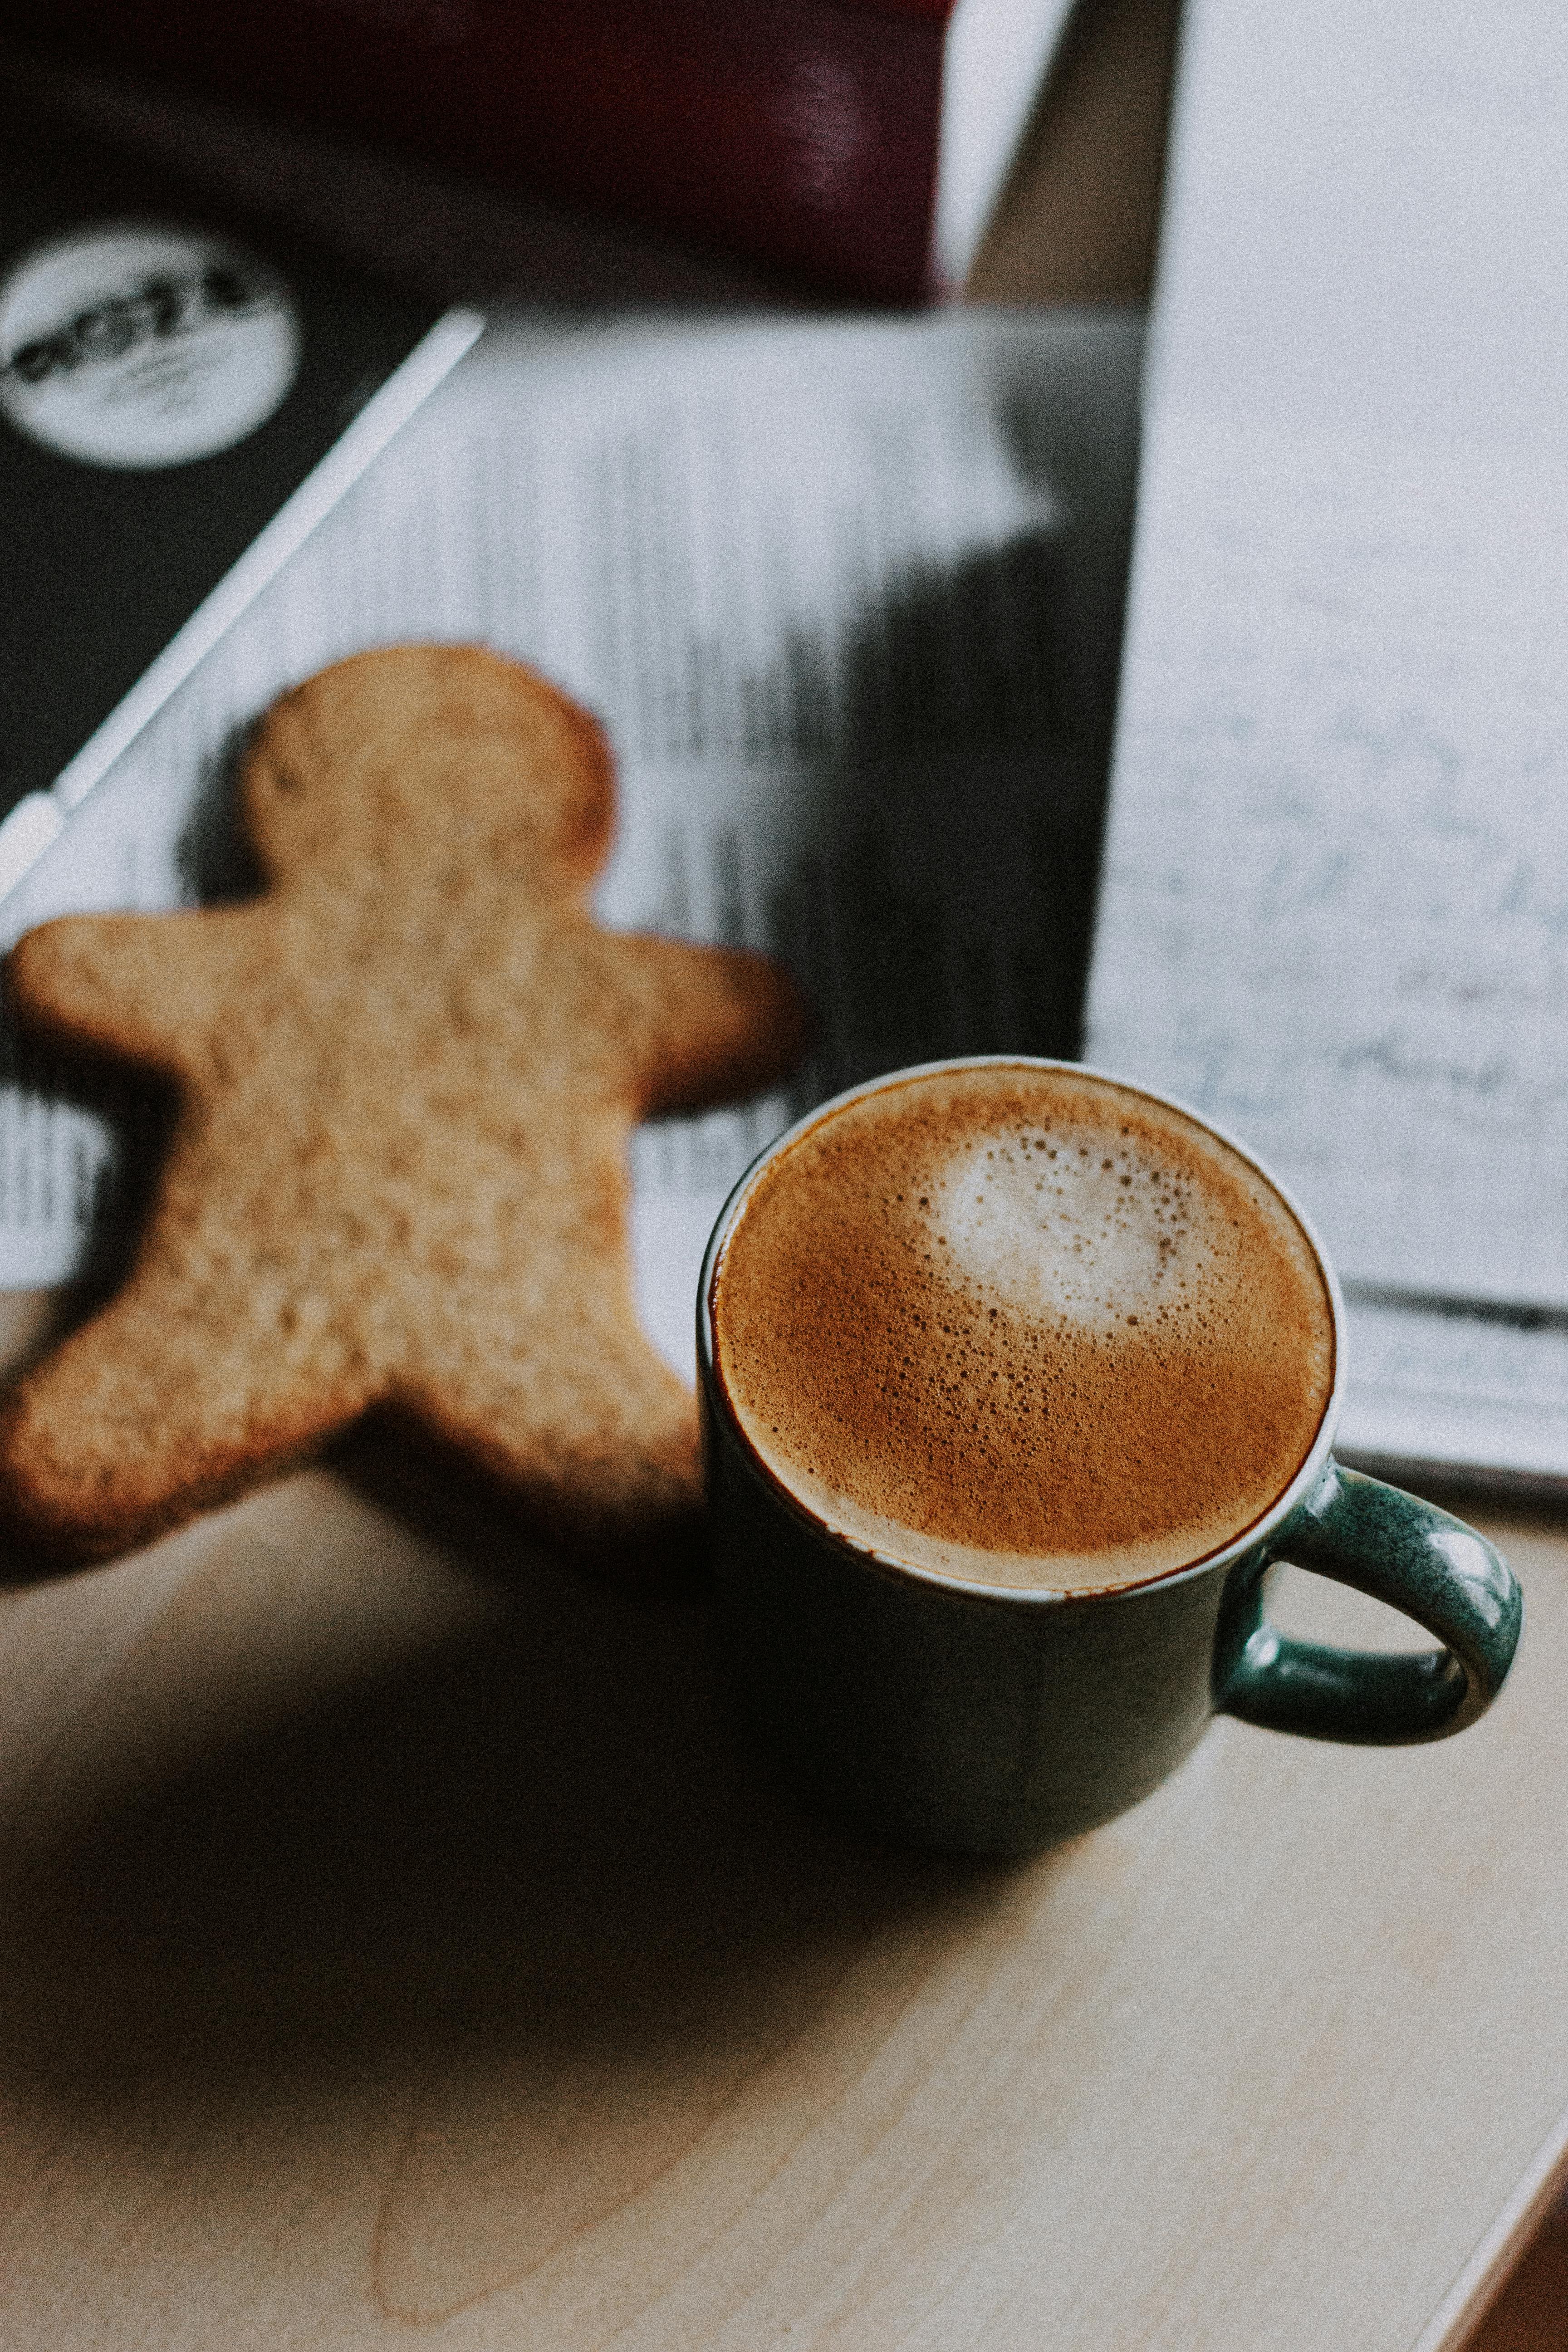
(855, 142)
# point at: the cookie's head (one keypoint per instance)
(408, 762)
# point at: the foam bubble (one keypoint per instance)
(1072, 1224)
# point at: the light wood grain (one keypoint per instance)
(1532, 2314)
(1078, 219)
(397, 1949)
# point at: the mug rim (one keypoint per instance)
(1223, 1556)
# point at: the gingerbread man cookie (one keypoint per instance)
(406, 1077)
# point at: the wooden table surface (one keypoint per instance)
(396, 1949)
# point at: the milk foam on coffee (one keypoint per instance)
(1023, 1326)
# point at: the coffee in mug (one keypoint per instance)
(1021, 1328)
(1016, 1380)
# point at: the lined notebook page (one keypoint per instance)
(1335, 908)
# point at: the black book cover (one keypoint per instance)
(168, 380)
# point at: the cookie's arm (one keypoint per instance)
(716, 1024)
(136, 986)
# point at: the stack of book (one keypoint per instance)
(860, 144)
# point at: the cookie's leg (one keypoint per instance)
(575, 1421)
(157, 1408)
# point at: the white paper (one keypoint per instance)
(1335, 909)
(817, 581)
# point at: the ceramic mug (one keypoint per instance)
(995, 1721)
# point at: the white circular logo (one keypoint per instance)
(132, 346)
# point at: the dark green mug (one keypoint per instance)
(997, 1721)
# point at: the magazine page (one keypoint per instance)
(845, 596)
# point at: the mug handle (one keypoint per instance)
(1399, 1549)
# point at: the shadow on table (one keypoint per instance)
(523, 1909)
